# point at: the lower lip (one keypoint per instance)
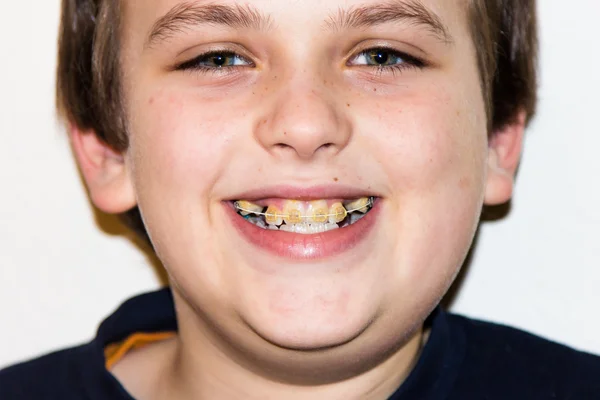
(305, 247)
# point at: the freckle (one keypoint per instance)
(336, 179)
(284, 133)
(348, 105)
(374, 89)
(151, 101)
(464, 183)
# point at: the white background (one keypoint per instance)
(538, 269)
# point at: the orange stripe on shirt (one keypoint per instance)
(113, 353)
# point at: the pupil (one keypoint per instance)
(381, 57)
(219, 60)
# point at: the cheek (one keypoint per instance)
(179, 142)
(431, 139)
(180, 146)
(432, 148)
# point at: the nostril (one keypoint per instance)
(304, 151)
(326, 146)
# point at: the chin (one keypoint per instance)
(312, 317)
(303, 335)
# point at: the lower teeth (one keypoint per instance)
(308, 228)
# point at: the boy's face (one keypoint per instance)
(310, 100)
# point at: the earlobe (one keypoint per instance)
(104, 171)
(504, 155)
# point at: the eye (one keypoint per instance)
(384, 59)
(214, 61)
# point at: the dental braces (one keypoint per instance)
(289, 216)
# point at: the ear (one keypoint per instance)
(504, 154)
(104, 171)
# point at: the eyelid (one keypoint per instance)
(406, 57)
(207, 51)
(407, 48)
(193, 63)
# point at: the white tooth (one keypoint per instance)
(248, 207)
(273, 227)
(360, 205)
(307, 229)
(260, 223)
(331, 226)
(285, 228)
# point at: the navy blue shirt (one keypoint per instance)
(463, 359)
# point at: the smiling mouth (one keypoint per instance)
(304, 217)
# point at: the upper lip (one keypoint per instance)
(321, 192)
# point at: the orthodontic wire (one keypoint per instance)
(237, 207)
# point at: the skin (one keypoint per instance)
(254, 325)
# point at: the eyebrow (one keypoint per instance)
(410, 11)
(189, 14)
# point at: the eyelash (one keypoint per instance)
(408, 61)
(195, 64)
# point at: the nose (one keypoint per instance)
(305, 121)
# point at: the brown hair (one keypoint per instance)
(88, 91)
(505, 36)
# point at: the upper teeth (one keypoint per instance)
(316, 211)
(295, 212)
(274, 216)
(360, 205)
(337, 213)
(247, 208)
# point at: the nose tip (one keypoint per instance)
(305, 123)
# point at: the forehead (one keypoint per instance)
(446, 19)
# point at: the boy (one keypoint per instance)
(311, 174)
